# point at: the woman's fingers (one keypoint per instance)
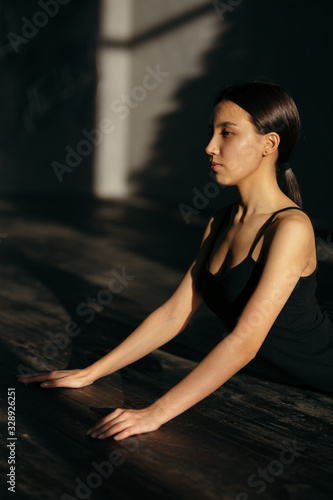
(124, 423)
(39, 377)
(114, 423)
(57, 378)
(32, 376)
(110, 428)
(118, 431)
(105, 420)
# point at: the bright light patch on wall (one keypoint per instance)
(114, 80)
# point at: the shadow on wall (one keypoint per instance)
(48, 85)
(288, 44)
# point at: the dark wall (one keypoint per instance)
(48, 80)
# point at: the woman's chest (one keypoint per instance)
(237, 243)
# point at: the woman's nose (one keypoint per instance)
(211, 148)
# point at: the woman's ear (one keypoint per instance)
(271, 143)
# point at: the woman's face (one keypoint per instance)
(236, 149)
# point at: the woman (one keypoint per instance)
(256, 269)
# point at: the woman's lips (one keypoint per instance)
(215, 166)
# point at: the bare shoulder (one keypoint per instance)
(294, 220)
(293, 229)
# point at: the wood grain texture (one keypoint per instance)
(60, 254)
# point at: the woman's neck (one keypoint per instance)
(260, 196)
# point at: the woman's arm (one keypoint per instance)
(158, 328)
(165, 322)
(289, 254)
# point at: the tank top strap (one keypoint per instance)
(265, 226)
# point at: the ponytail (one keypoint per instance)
(290, 187)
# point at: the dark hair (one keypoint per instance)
(272, 109)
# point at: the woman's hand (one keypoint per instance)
(61, 378)
(124, 423)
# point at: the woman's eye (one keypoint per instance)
(225, 133)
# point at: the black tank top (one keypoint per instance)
(298, 349)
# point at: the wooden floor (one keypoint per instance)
(251, 439)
